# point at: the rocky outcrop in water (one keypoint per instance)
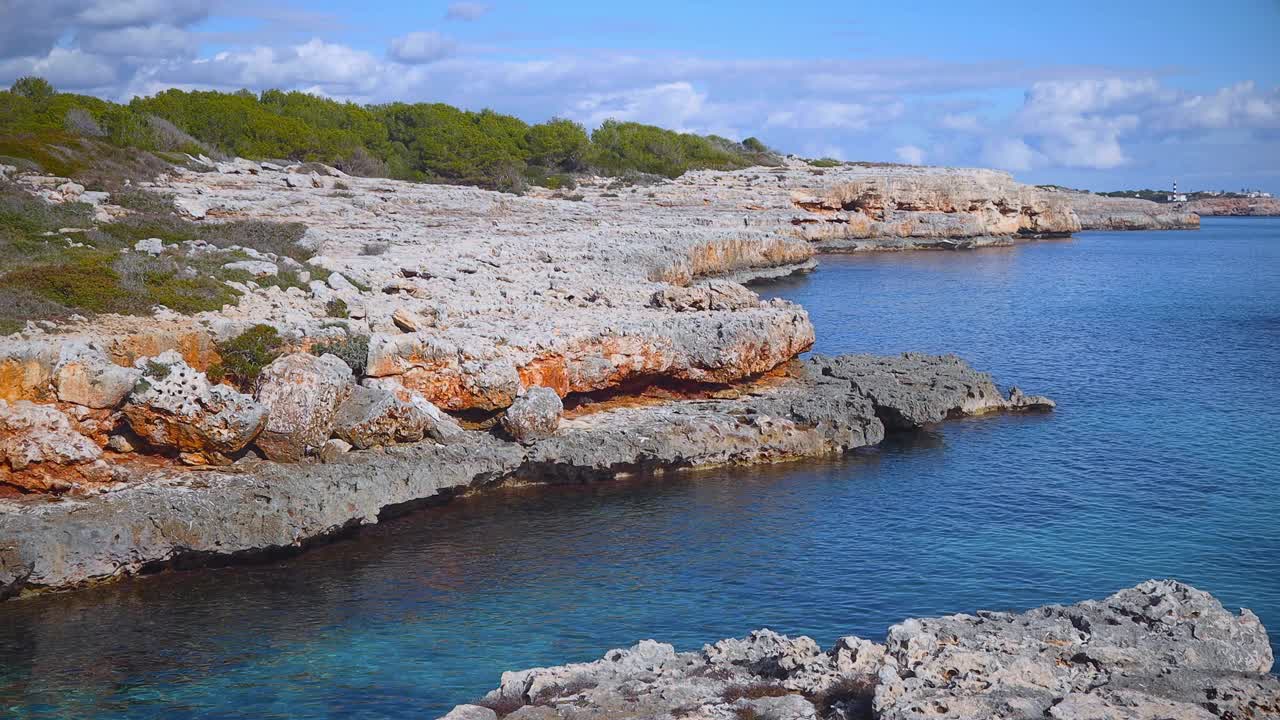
(1159, 650)
(820, 407)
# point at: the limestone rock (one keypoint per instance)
(405, 320)
(194, 207)
(39, 447)
(372, 416)
(440, 427)
(174, 407)
(85, 376)
(1156, 650)
(333, 449)
(470, 712)
(150, 246)
(302, 394)
(710, 295)
(1098, 212)
(26, 370)
(915, 389)
(534, 415)
(340, 283)
(1159, 650)
(255, 268)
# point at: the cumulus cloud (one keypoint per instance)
(1088, 123)
(421, 47)
(326, 68)
(822, 114)
(123, 13)
(66, 69)
(149, 41)
(910, 154)
(960, 122)
(467, 11)
(679, 106)
(1010, 154)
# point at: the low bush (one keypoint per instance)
(352, 350)
(244, 356)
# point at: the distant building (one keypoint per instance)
(1256, 194)
(1176, 196)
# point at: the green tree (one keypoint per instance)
(558, 144)
(33, 88)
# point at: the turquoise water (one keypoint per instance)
(1163, 350)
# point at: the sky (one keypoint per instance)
(1097, 95)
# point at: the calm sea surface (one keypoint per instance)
(1163, 459)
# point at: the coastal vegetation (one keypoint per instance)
(92, 140)
(56, 261)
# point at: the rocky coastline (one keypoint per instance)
(1234, 207)
(440, 339)
(1161, 649)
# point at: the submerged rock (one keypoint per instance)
(174, 407)
(1160, 650)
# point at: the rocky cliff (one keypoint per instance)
(1233, 206)
(161, 513)
(1097, 212)
(1161, 649)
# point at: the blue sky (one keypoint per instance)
(1088, 94)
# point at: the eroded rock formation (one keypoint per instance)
(1159, 650)
(820, 407)
(175, 408)
(1097, 212)
(1233, 206)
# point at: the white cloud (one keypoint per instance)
(142, 41)
(1010, 154)
(421, 47)
(66, 69)
(831, 115)
(960, 122)
(467, 11)
(678, 106)
(910, 154)
(122, 13)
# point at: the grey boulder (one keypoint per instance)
(534, 415)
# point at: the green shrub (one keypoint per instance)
(352, 349)
(244, 356)
(824, 163)
(337, 308)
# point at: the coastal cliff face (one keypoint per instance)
(1161, 649)
(1097, 212)
(925, 205)
(1233, 206)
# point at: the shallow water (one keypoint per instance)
(1163, 350)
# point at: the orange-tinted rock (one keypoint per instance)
(40, 449)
